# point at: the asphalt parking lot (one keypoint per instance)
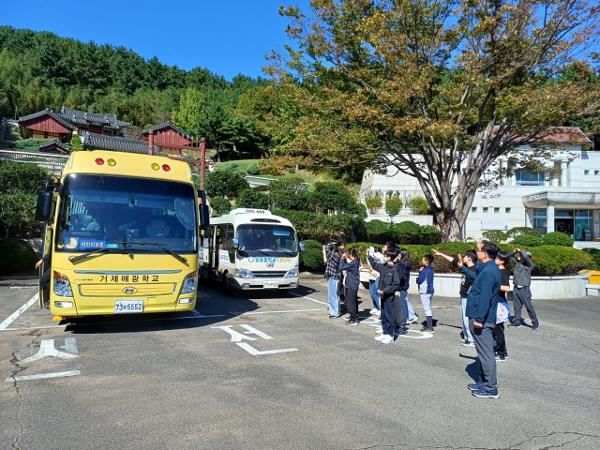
(272, 371)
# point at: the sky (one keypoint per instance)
(227, 37)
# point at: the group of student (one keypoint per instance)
(484, 293)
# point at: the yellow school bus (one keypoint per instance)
(121, 235)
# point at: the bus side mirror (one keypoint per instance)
(204, 216)
(301, 246)
(236, 243)
(44, 202)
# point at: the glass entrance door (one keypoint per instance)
(564, 221)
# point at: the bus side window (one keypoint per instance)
(229, 243)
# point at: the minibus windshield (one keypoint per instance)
(266, 239)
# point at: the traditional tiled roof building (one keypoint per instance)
(168, 138)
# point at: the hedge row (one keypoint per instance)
(18, 258)
(320, 227)
(548, 259)
(403, 233)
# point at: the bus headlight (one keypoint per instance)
(243, 273)
(62, 286)
(189, 284)
(292, 273)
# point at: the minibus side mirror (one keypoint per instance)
(44, 203)
(301, 246)
(236, 243)
(204, 216)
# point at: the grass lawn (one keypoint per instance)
(243, 164)
(24, 145)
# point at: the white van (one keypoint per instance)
(251, 249)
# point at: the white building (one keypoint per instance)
(564, 197)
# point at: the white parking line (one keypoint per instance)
(14, 316)
(280, 311)
(42, 376)
(309, 298)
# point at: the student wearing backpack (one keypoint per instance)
(389, 282)
(403, 265)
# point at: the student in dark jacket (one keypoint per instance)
(467, 265)
(389, 281)
(482, 305)
(425, 282)
(351, 264)
(403, 266)
(522, 289)
(502, 261)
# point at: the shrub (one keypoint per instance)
(559, 260)
(252, 199)
(28, 178)
(289, 193)
(495, 236)
(311, 258)
(225, 183)
(519, 231)
(270, 167)
(332, 196)
(378, 231)
(419, 206)
(374, 201)
(408, 232)
(557, 238)
(527, 240)
(18, 257)
(17, 215)
(253, 169)
(320, 227)
(548, 260)
(220, 206)
(232, 167)
(595, 255)
(393, 204)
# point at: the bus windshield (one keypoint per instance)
(112, 212)
(264, 239)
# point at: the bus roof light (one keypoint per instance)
(99, 161)
(166, 167)
(111, 162)
(155, 166)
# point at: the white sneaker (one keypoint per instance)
(386, 339)
(373, 311)
(380, 337)
(378, 312)
(414, 320)
(379, 330)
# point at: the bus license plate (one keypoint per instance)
(271, 285)
(129, 306)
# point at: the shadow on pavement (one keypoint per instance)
(214, 305)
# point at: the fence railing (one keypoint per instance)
(54, 164)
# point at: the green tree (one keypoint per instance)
(393, 205)
(220, 206)
(225, 183)
(419, 206)
(253, 199)
(438, 88)
(187, 116)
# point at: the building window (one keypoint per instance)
(496, 210)
(507, 210)
(584, 225)
(540, 220)
(527, 178)
(586, 172)
(474, 209)
(485, 209)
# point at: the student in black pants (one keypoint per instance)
(502, 262)
(351, 264)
